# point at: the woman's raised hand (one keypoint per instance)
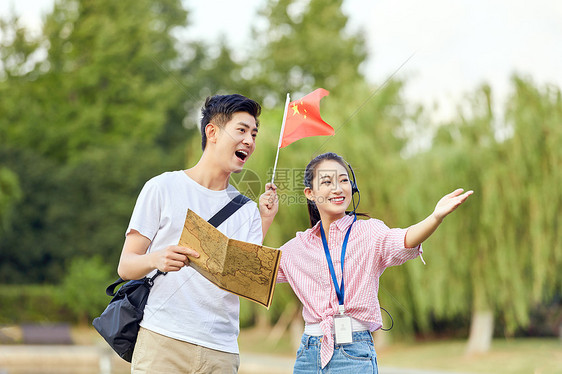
(450, 202)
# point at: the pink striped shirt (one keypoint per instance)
(372, 247)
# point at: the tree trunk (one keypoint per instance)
(481, 332)
(262, 320)
(381, 339)
(296, 328)
(276, 333)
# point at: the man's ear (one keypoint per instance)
(308, 193)
(211, 131)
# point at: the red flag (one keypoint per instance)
(303, 118)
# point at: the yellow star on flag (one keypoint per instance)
(295, 109)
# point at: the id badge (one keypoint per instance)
(342, 329)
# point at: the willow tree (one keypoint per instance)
(498, 256)
(532, 172)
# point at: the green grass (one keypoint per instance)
(514, 356)
(506, 356)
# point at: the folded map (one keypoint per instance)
(244, 269)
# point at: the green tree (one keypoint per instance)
(81, 286)
(103, 80)
(110, 60)
(78, 209)
(10, 194)
(84, 126)
(305, 45)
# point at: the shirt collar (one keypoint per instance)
(342, 224)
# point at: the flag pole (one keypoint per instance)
(281, 136)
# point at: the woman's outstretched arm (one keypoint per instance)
(419, 232)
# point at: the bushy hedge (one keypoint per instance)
(30, 303)
(78, 299)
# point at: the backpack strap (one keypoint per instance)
(110, 290)
(228, 210)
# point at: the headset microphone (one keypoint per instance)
(354, 189)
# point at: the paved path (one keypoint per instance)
(80, 359)
(259, 364)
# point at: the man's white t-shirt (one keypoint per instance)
(184, 305)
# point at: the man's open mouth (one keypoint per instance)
(242, 155)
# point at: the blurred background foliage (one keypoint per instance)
(108, 96)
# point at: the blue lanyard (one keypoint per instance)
(340, 291)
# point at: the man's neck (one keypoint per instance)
(209, 175)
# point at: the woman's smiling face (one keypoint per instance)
(331, 189)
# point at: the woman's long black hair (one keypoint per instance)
(313, 213)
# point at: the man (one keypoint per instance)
(189, 324)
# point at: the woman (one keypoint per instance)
(340, 313)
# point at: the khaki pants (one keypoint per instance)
(159, 354)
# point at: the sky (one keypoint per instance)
(443, 49)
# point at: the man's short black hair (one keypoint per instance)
(220, 108)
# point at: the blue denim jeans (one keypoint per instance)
(357, 357)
